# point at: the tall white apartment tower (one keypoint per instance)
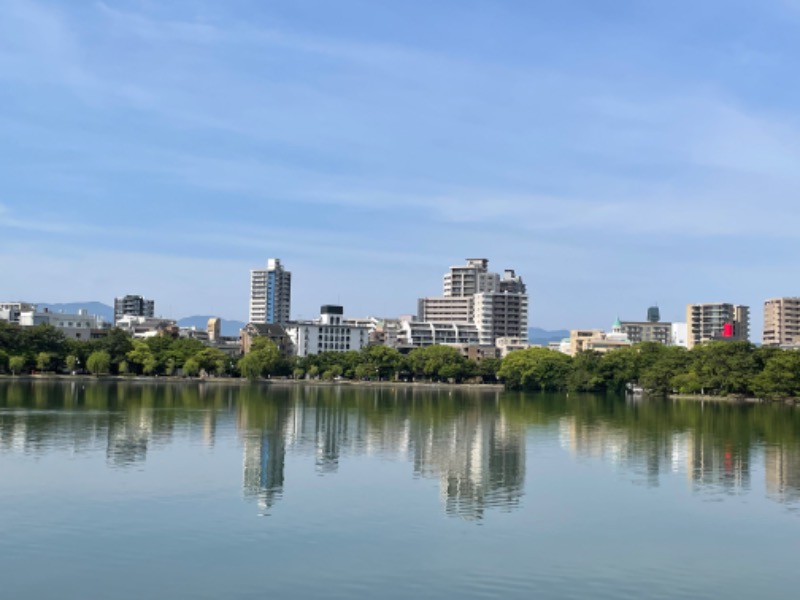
(270, 294)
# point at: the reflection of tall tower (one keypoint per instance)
(264, 439)
(264, 462)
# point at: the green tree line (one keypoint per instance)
(715, 368)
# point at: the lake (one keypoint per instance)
(142, 490)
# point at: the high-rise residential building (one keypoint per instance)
(497, 306)
(470, 279)
(136, 306)
(781, 322)
(270, 294)
(503, 314)
(717, 321)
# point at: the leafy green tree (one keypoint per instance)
(71, 361)
(191, 367)
(586, 374)
(116, 344)
(261, 360)
(44, 361)
(42, 338)
(364, 372)
(212, 360)
(659, 376)
(3, 360)
(182, 349)
(251, 366)
(98, 362)
(620, 367)
(313, 371)
(298, 373)
(385, 362)
(780, 377)
(438, 362)
(725, 367)
(123, 368)
(16, 364)
(487, 369)
(142, 358)
(536, 369)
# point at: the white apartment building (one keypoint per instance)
(270, 294)
(425, 333)
(501, 315)
(330, 333)
(782, 322)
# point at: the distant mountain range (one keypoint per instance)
(536, 335)
(229, 327)
(544, 337)
(93, 308)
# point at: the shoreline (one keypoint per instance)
(733, 399)
(237, 381)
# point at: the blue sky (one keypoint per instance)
(614, 153)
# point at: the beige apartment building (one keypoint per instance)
(446, 309)
(781, 322)
(707, 322)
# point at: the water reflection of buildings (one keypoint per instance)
(707, 463)
(477, 455)
(479, 459)
(782, 472)
(128, 438)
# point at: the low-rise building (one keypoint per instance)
(646, 331)
(476, 352)
(77, 326)
(329, 333)
(583, 340)
(273, 331)
(509, 344)
(11, 311)
(418, 334)
(144, 327)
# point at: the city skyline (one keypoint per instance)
(629, 149)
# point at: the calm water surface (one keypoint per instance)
(124, 491)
